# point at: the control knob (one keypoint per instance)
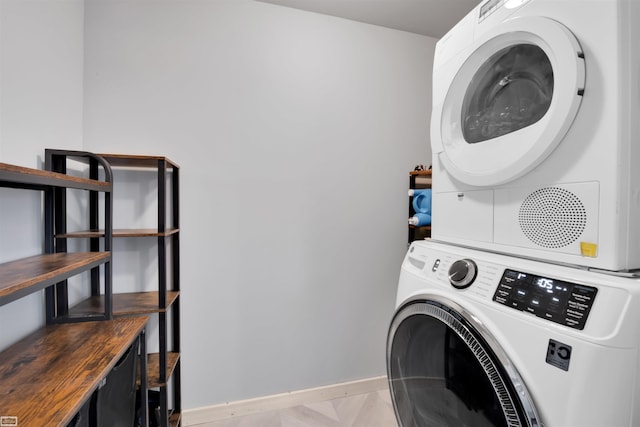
(462, 273)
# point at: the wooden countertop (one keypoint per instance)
(46, 377)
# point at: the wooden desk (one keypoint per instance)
(46, 377)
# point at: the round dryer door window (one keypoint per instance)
(511, 102)
(511, 91)
(443, 371)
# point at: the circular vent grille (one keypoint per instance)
(552, 217)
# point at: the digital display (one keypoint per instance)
(561, 302)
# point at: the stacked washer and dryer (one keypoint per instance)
(524, 307)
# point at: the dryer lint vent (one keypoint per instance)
(552, 217)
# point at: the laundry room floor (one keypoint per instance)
(359, 410)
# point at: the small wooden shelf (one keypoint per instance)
(137, 232)
(153, 368)
(144, 232)
(125, 304)
(21, 177)
(47, 376)
(174, 419)
(136, 161)
(27, 275)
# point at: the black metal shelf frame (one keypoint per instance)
(163, 165)
(57, 297)
(55, 225)
(166, 282)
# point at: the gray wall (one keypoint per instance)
(295, 132)
(41, 69)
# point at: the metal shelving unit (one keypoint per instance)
(163, 367)
(418, 180)
(75, 355)
(56, 218)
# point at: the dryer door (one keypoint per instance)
(510, 103)
(444, 371)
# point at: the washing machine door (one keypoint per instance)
(445, 370)
(510, 103)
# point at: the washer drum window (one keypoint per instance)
(444, 373)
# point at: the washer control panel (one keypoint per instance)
(561, 302)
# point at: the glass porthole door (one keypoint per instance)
(444, 373)
(510, 103)
(512, 90)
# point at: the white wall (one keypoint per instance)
(41, 78)
(41, 70)
(295, 133)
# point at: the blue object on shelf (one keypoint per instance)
(422, 201)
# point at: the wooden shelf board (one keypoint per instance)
(125, 304)
(121, 232)
(153, 368)
(144, 232)
(31, 274)
(131, 160)
(174, 419)
(22, 177)
(421, 173)
(47, 376)
(420, 227)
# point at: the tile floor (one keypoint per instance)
(360, 410)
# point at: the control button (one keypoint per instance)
(462, 273)
(436, 264)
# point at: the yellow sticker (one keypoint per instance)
(589, 249)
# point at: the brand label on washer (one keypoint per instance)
(559, 354)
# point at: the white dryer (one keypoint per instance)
(535, 131)
(482, 339)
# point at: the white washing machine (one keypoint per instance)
(535, 131)
(482, 339)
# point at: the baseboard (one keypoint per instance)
(207, 414)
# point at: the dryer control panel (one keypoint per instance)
(561, 302)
